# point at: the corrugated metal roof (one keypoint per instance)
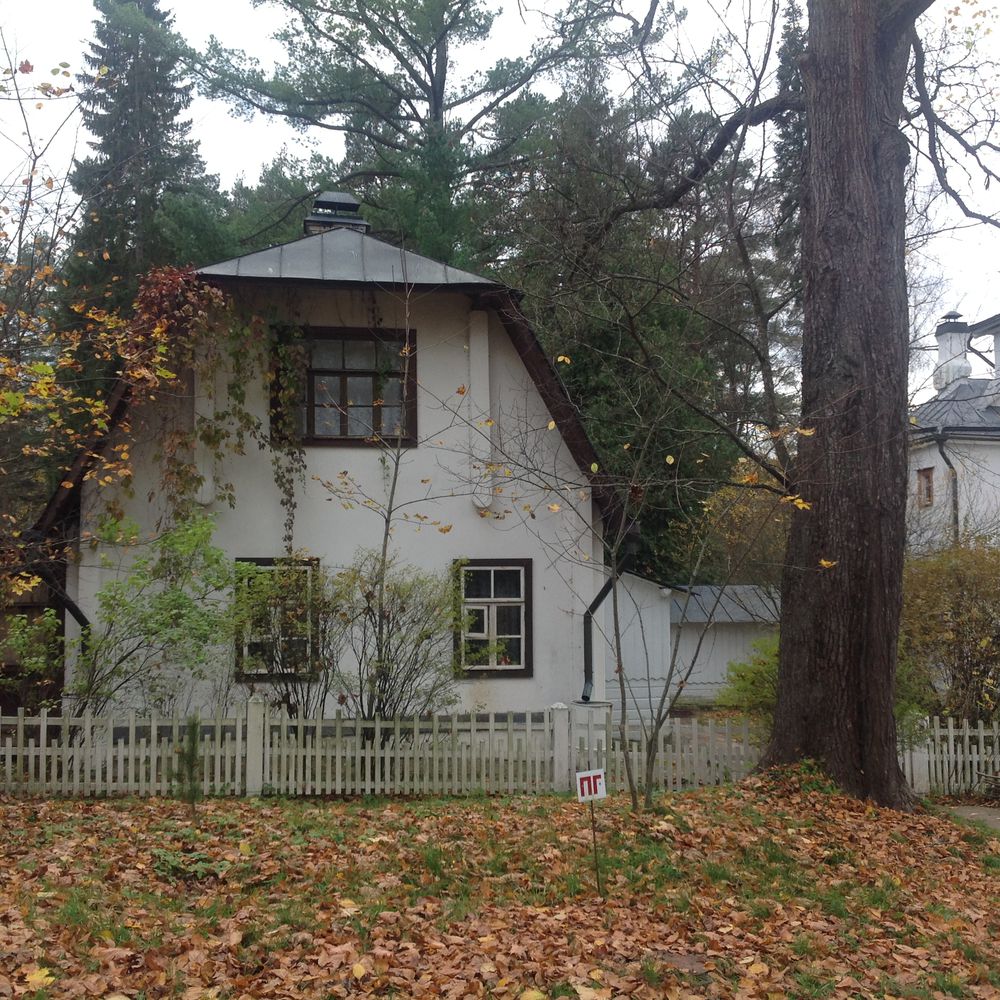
(967, 402)
(734, 604)
(345, 256)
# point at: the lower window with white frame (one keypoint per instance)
(279, 630)
(496, 617)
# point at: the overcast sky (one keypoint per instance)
(59, 30)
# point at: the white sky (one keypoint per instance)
(59, 29)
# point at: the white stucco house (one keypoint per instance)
(492, 451)
(954, 490)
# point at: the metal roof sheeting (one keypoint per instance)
(967, 402)
(735, 604)
(346, 256)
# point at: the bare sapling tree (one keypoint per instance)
(653, 708)
(398, 622)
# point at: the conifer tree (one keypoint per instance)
(790, 144)
(142, 154)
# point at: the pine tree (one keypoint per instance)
(141, 154)
(790, 145)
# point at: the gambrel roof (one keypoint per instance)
(963, 406)
(345, 258)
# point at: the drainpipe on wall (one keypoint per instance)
(953, 479)
(629, 550)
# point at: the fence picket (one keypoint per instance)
(107, 779)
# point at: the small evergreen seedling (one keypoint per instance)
(189, 765)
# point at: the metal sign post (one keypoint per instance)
(591, 786)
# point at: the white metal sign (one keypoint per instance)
(590, 785)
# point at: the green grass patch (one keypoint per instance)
(770, 871)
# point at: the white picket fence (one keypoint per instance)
(955, 757)
(266, 752)
(263, 751)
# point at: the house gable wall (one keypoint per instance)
(529, 501)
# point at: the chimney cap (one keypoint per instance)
(336, 201)
(335, 210)
(952, 321)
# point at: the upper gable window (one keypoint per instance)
(360, 387)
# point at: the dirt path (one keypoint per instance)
(990, 815)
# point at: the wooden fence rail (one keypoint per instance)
(262, 751)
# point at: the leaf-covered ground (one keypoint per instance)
(773, 888)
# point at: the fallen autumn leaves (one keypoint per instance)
(768, 889)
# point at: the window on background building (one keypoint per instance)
(360, 387)
(496, 616)
(279, 635)
(925, 487)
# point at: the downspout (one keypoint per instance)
(630, 548)
(588, 637)
(939, 439)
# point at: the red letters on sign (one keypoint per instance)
(590, 785)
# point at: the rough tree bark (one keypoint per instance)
(839, 622)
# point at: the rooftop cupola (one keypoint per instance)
(953, 340)
(335, 210)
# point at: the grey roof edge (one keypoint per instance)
(922, 434)
(663, 585)
(984, 327)
(471, 287)
(366, 261)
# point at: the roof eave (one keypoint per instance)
(467, 288)
(921, 435)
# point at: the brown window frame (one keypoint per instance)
(407, 379)
(925, 487)
(526, 667)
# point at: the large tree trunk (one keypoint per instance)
(839, 622)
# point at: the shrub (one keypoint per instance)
(399, 645)
(950, 628)
(752, 688)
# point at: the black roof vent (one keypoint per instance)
(335, 210)
(951, 321)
